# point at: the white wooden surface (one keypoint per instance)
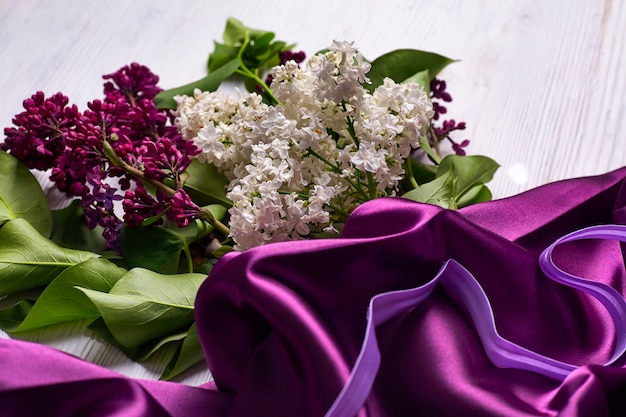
(541, 84)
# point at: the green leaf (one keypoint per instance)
(61, 301)
(188, 354)
(421, 78)
(165, 99)
(477, 194)
(99, 327)
(206, 185)
(153, 247)
(139, 353)
(425, 146)
(70, 230)
(234, 33)
(144, 305)
(21, 195)
(423, 172)
(10, 318)
(438, 192)
(222, 55)
(159, 248)
(460, 181)
(401, 64)
(199, 228)
(222, 250)
(146, 350)
(469, 171)
(259, 52)
(29, 260)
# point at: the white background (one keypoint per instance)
(541, 84)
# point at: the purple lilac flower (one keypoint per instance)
(52, 134)
(298, 56)
(438, 92)
(131, 83)
(182, 209)
(140, 205)
(449, 126)
(36, 139)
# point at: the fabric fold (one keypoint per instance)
(282, 325)
(432, 361)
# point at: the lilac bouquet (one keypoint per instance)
(164, 183)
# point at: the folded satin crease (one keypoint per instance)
(282, 325)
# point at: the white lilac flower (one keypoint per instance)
(303, 165)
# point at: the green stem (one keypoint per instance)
(243, 70)
(371, 186)
(339, 211)
(188, 257)
(408, 168)
(336, 169)
(435, 140)
(210, 218)
(352, 130)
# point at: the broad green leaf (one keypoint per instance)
(144, 305)
(423, 172)
(139, 353)
(188, 354)
(234, 33)
(61, 301)
(437, 192)
(259, 53)
(200, 228)
(146, 350)
(70, 230)
(421, 78)
(222, 55)
(222, 250)
(99, 327)
(404, 63)
(159, 248)
(206, 185)
(477, 194)
(204, 268)
(197, 230)
(29, 260)
(165, 99)
(21, 195)
(425, 146)
(153, 247)
(10, 318)
(468, 171)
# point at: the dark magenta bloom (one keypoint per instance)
(182, 209)
(139, 205)
(51, 134)
(36, 139)
(131, 82)
(439, 94)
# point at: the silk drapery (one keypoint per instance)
(282, 325)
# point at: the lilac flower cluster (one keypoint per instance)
(301, 164)
(438, 96)
(108, 152)
(285, 56)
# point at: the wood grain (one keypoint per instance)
(541, 85)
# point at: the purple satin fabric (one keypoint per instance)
(282, 325)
